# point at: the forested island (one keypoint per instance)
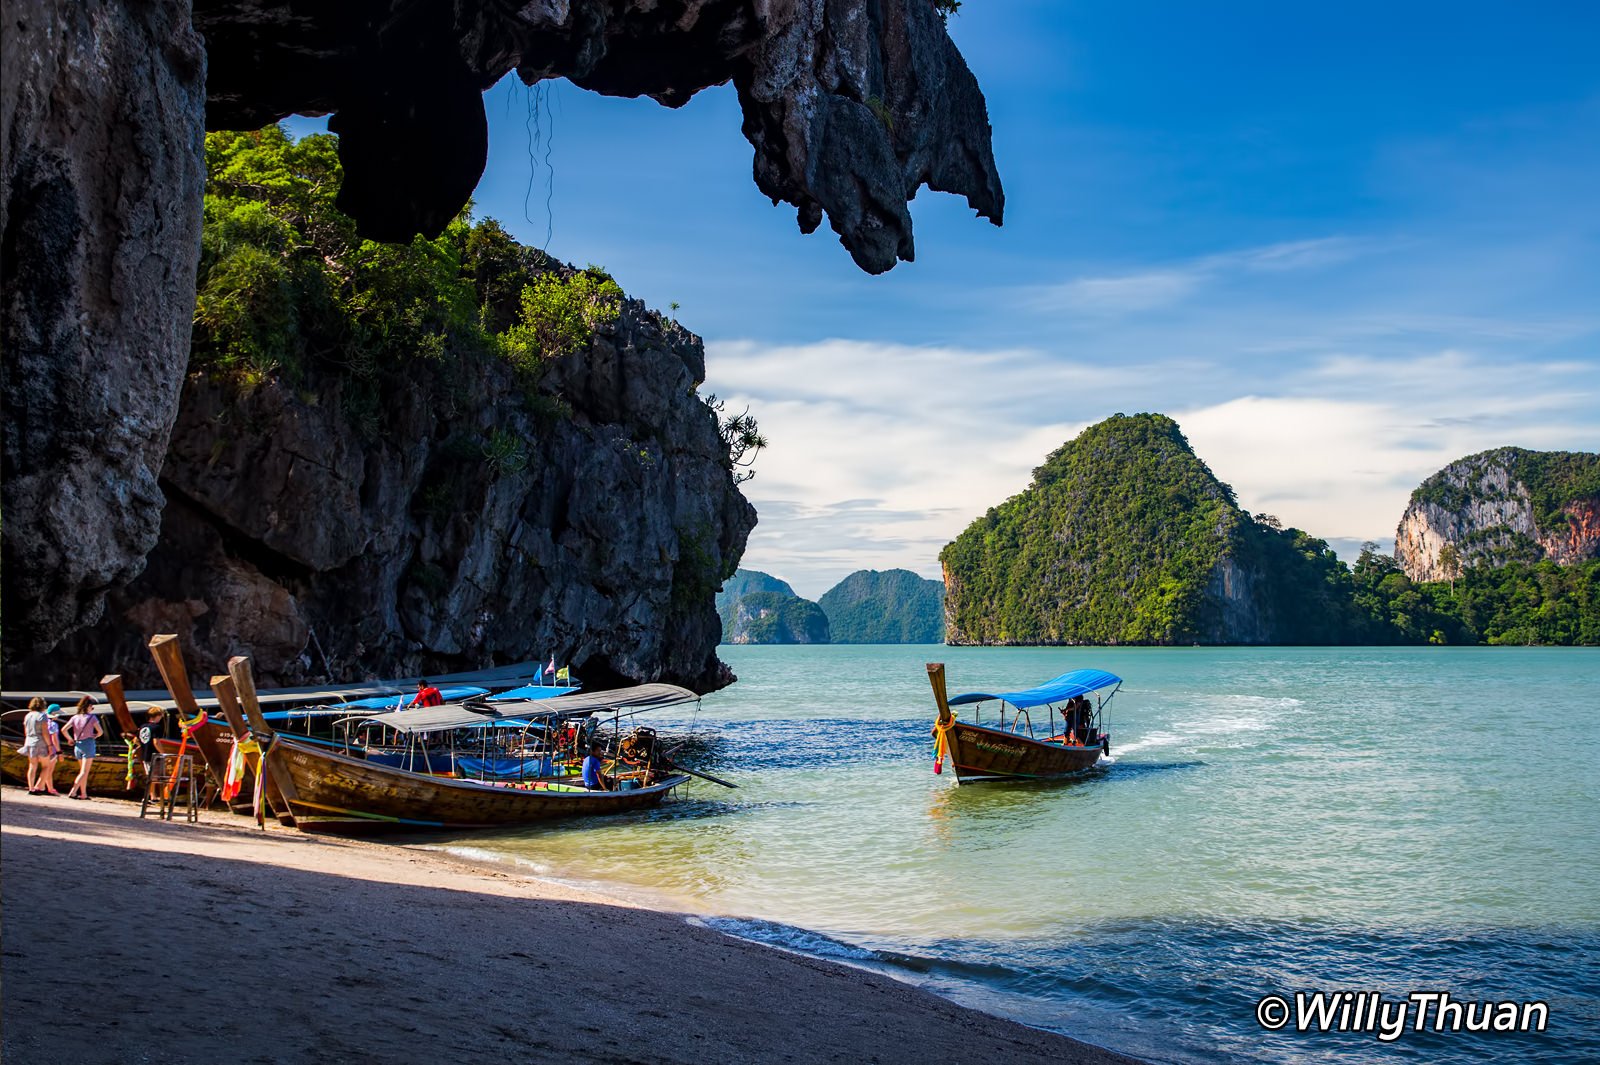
(1125, 536)
(868, 606)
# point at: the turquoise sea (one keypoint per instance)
(1273, 821)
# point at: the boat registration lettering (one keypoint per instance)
(983, 743)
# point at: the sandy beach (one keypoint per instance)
(129, 940)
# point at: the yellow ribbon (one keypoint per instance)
(941, 744)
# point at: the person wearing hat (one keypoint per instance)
(38, 746)
(83, 730)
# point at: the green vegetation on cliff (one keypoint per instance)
(1125, 536)
(1553, 479)
(1115, 541)
(1515, 603)
(892, 606)
(286, 288)
(757, 607)
(767, 617)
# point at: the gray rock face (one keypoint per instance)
(851, 106)
(456, 532)
(1483, 507)
(100, 187)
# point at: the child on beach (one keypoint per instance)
(83, 730)
(38, 746)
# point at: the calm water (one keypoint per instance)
(1274, 820)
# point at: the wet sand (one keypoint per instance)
(220, 942)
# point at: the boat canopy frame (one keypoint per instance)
(454, 716)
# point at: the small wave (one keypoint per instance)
(1155, 739)
(790, 937)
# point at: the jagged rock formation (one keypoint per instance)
(1125, 536)
(100, 186)
(1505, 505)
(892, 606)
(851, 108)
(757, 607)
(324, 550)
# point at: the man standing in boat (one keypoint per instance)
(427, 694)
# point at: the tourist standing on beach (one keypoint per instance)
(83, 730)
(53, 714)
(38, 747)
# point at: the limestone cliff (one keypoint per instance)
(1125, 536)
(1505, 505)
(757, 607)
(891, 606)
(462, 528)
(100, 187)
(851, 108)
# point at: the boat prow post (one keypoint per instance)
(941, 698)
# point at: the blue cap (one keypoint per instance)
(53, 708)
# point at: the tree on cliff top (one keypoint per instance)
(285, 285)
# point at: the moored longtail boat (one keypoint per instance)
(108, 775)
(1022, 749)
(320, 785)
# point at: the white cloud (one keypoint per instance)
(882, 453)
(1122, 294)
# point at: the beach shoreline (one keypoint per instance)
(332, 949)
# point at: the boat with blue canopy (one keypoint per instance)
(1020, 742)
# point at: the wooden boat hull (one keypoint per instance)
(108, 774)
(331, 785)
(981, 753)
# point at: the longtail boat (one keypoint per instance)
(1021, 748)
(108, 776)
(319, 785)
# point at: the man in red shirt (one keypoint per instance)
(427, 694)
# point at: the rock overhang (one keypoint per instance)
(851, 105)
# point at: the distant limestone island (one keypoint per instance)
(1125, 536)
(869, 606)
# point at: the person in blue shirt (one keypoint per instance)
(592, 778)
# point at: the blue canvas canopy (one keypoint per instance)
(533, 691)
(403, 699)
(1078, 682)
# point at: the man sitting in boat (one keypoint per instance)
(427, 694)
(593, 779)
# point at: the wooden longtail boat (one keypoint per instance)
(107, 776)
(327, 785)
(1015, 750)
(319, 785)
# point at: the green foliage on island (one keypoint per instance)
(768, 617)
(559, 317)
(1114, 542)
(892, 606)
(757, 607)
(1553, 479)
(1515, 603)
(286, 288)
(1125, 536)
(744, 582)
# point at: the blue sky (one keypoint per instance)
(1341, 244)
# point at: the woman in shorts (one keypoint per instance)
(83, 730)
